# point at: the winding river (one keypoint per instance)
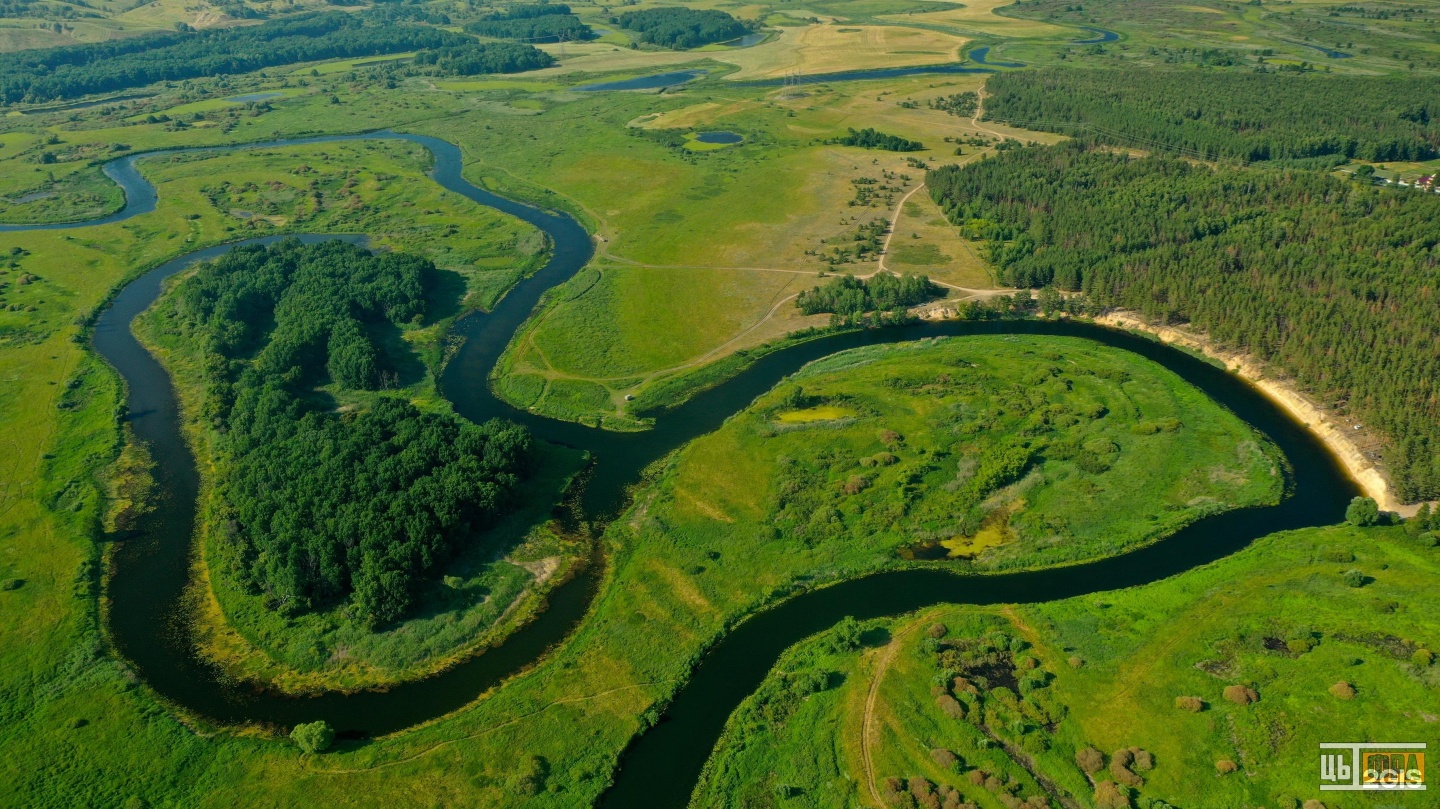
(151, 565)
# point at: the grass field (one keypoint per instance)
(832, 48)
(1104, 672)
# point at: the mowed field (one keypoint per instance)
(818, 49)
(979, 17)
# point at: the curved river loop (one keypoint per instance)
(152, 565)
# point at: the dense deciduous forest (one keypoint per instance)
(849, 297)
(323, 505)
(1239, 116)
(681, 28)
(868, 138)
(532, 22)
(485, 57)
(1331, 280)
(118, 64)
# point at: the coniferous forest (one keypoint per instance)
(1330, 279)
(322, 505)
(1248, 117)
(119, 64)
(850, 297)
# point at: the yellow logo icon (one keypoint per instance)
(1372, 766)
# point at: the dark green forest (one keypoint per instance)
(119, 64)
(849, 297)
(485, 57)
(1332, 280)
(868, 138)
(320, 505)
(681, 28)
(1222, 115)
(532, 23)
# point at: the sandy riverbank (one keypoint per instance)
(1335, 434)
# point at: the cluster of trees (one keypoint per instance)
(849, 297)
(320, 506)
(119, 64)
(963, 104)
(681, 28)
(485, 57)
(1237, 116)
(868, 138)
(1329, 279)
(532, 22)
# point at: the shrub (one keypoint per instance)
(1109, 795)
(1362, 512)
(1090, 760)
(936, 631)
(944, 758)
(313, 737)
(1120, 762)
(1075, 662)
(950, 706)
(1144, 761)
(1353, 578)
(1240, 695)
(1343, 690)
(1191, 704)
(1225, 766)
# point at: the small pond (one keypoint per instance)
(719, 137)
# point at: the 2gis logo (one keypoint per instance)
(1369, 765)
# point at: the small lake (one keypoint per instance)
(656, 81)
(248, 97)
(719, 137)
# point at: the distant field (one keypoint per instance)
(979, 16)
(832, 48)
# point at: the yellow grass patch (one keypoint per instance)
(980, 16)
(926, 243)
(833, 48)
(813, 414)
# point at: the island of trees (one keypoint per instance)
(319, 505)
(532, 22)
(681, 28)
(869, 138)
(1330, 279)
(476, 58)
(849, 298)
(119, 64)
(1237, 116)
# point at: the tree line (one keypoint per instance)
(119, 64)
(475, 58)
(1331, 280)
(681, 28)
(1237, 116)
(849, 297)
(869, 138)
(319, 506)
(532, 22)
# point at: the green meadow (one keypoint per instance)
(1228, 677)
